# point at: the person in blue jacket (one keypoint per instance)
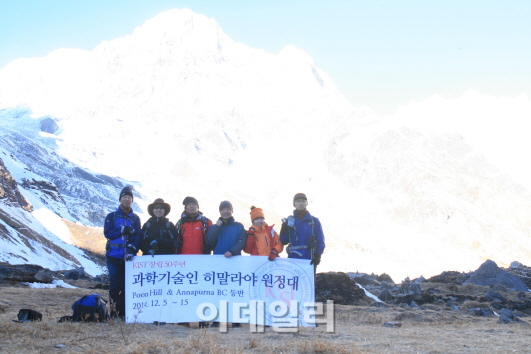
(227, 236)
(123, 232)
(303, 232)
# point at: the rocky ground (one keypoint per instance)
(442, 314)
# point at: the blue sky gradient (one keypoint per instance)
(379, 53)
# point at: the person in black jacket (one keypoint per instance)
(159, 234)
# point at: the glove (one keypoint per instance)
(251, 232)
(131, 249)
(127, 230)
(316, 260)
(129, 257)
(284, 228)
(273, 254)
(154, 246)
(177, 243)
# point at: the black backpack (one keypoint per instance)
(90, 308)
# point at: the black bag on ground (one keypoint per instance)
(25, 315)
(90, 308)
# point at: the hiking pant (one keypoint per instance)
(116, 267)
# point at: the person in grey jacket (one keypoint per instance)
(227, 236)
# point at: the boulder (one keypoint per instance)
(506, 316)
(385, 278)
(49, 125)
(492, 295)
(385, 295)
(414, 288)
(29, 273)
(44, 276)
(490, 274)
(75, 274)
(419, 279)
(362, 278)
(515, 265)
(104, 278)
(339, 287)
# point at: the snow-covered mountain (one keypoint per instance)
(184, 110)
(41, 189)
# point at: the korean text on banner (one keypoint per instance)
(242, 289)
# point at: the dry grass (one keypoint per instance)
(358, 330)
(86, 237)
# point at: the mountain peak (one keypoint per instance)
(178, 23)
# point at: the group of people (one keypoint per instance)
(196, 234)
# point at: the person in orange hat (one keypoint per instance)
(262, 239)
(159, 234)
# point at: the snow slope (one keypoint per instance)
(184, 110)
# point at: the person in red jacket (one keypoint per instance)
(262, 239)
(192, 228)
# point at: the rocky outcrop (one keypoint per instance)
(450, 277)
(64, 186)
(47, 188)
(490, 274)
(364, 279)
(521, 271)
(25, 273)
(339, 288)
(9, 192)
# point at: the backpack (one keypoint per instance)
(148, 225)
(90, 308)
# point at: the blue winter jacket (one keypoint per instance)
(116, 242)
(299, 236)
(230, 236)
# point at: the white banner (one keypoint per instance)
(240, 289)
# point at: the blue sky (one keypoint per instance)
(379, 53)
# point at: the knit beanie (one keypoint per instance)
(256, 213)
(225, 204)
(189, 200)
(299, 196)
(126, 191)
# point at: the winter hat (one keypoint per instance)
(299, 196)
(225, 204)
(189, 200)
(159, 201)
(126, 191)
(256, 213)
